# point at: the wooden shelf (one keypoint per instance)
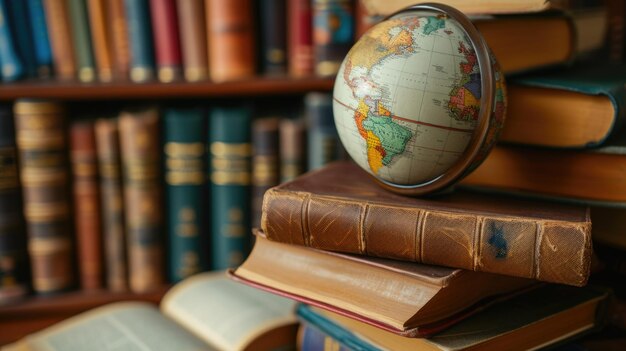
(35, 313)
(128, 90)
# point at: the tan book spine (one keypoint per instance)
(59, 30)
(140, 148)
(231, 39)
(101, 41)
(192, 29)
(119, 38)
(42, 146)
(547, 250)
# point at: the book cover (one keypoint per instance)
(11, 66)
(21, 30)
(84, 166)
(118, 32)
(14, 270)
(61, 39)
(578, 107)
(333, 34)
(230, 173)
(185, 172)
(292, 148)
(39, 30)
(42, 148)
(341, 208)
(85, 61)
(140, 146)
(273, 37)
(140, 40)
(300, 38)
(265, 162)
(166, 41)
(100, 23)
(230, 25)
(193, 39)
(323, 144)
(112, 203)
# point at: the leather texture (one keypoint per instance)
(341, 208)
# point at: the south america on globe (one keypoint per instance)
(407, 98)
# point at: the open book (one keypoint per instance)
(205, 312)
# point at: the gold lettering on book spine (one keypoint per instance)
(231, 163)
(184, 165)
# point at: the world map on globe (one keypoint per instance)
(407, 98)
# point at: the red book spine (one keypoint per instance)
(300, 38)
(166, 41)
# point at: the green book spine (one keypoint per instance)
(82, 40)
(184, 147)
(230, 151)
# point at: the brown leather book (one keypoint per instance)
(118, 32)
(99, 21)
(341, 208)
(87, 204)
(193, 40)
(60, 33)
(143, 204)
(112, 203)
(414, 300)
(42, 148)
(299, 38)
(231, 39)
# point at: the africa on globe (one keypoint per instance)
(419, 100)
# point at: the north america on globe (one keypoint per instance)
(407, 98)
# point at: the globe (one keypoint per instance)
(415, 102)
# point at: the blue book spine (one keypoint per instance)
(21, 31)
(313, 339)
(11, 66)
(39, 32)
(140, 40)
(230, 163)
(185, 174)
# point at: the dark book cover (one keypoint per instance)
(39, 31)
(229, 159)
(42, 146)
(11, 66)
(87, 220)
(185, 173)
(14, 272)
(140, 40)
(333, 34)
(85, 61)
(166, 40)
(300, 38)
(323, 144)
(273, 48)
(292, 145)
(21, 30)
(265, 162)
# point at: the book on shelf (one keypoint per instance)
(87, 214)
(166, 40)
(292, 148)
(18, 20)
(42, 148)
(184, 144)
(120, 43)
(534, 319)
(61, 38)
(11, 67)
(265, 162)
(43, 53)
(99, 24)
(140, 143)
(323, 144)
(193, 39)
(140, 40)
(14, 272)
(205, 312)
(82, 40)
(412, 300)
(341, 208)
(299, 38)
(578, 107)
(273, 36)
(333, 34)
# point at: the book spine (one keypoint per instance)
(87, 204)
(167, 44)
(300, 38)
(333, 34)
(230, 151)
(118, 32)
(140, 144)
(11, 67)
(323, 141)
(99, 21)
(185, 172)
(112, 203)
(61, 39)
(42, 147)
(292, 143)
(13, 255)
(544, 250)
(140, 39)
(231, 41)
(82, 40)
(265, 163)
(193, 39)
(39, 31)
(21, 31)
(313, 339)
(274, 38)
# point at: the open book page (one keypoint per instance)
(125, 326)
(224, 313)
